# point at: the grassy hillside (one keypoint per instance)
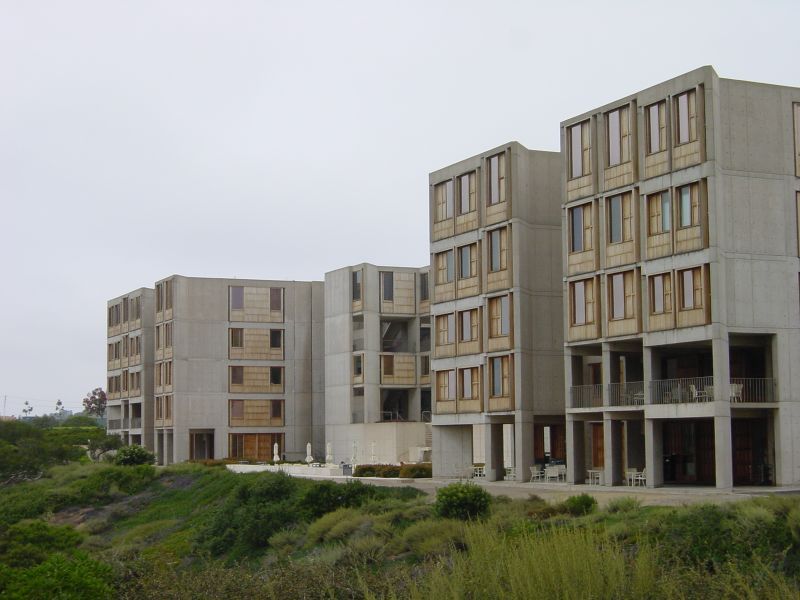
(191, 531)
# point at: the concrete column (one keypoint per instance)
(523, 445)
(608, 370)
(651, 371)
(654, 452)
(723, 451)
(452, 450)
(720, 353)
(612, 451)
(576, 442)
(493, 450)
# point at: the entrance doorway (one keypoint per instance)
(689, 452)
(751, 464)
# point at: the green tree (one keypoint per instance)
(95, 402)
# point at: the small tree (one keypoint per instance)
(95, 402)
(462, 501)
(134, 455)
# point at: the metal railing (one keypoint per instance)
(427, 416)
(115, 423)
(682, 391)
(136, 422)
(391, 416)
(630, 393)
(585, 396)
(760, 389)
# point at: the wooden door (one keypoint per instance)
(597, 446)
(538, 443)
(742, 433)
(558, 442)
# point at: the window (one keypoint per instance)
(618, 132)
(424, 339)
(660, 294)
(159, 338)
(237, 297)
(686, 117)
(237, 375)
(656, 127)
(159, 297)
(582, 301)
(499, 318)
(576, 229)
(237, 338)
(689, 205)
(387, 285)
(499, 375)
(168, 335)
(446, 385)
(275, 338)
(276, 409)
(466, 193)
(796, 107)
(498, 243)
(623, 295)
(237, 409)
(659, 213)
(579, 150)
(168, 294)
(358, 365)
(425, 365)
(443, 198)
(469, 325)
(446, 329)
(276, 375)
(387, 360)
(167, 407)
(444, 267)
(356, 275)
(620, 218)
(468, 261)
(469, 383)
(497, 178)
(692, 288)
(276, 298)
(168, 373)
(423, 287)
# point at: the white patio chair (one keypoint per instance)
(537, 474)
(551, 473)
(630, 476)
(736, 392)
(641, 478)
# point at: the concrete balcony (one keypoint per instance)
(586, 396)
(753, 390)
(114, 424)
(630, 393)
(682, 391)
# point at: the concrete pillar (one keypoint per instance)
(651, 372)
(576, 448)
(612, 451)
(723, 451)
(493, 451)
(654, 452)
(523, 445)
(607, 367)
(452, 450)
(720, 353)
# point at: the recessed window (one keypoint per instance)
(446, 329)
(617, 129)
(469, 325)
(620, 218)
(358, 365)
(446, 385)
(466, 384)
(237, 409)
(659, 213)
(660, 294)
(237, 297)
(656, 127)
(425, 365)
(692, 288)
(689, 205)
(275, 338)
(276, 375)
(499, 316)
(443, 198)
(686, 117)
(424, 294)
(622, 295)
(444, 267)
(237, 338)
(276, 298)
(498, 242)
(499, 367)
(424, 339)
(576, 229)
(387, 285)
(276, 409)
(356, 276)
(579, 150)
(468, 261)
(237, 375)
(497, 178)
(387, 360)
(466, 193)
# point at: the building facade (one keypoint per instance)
(497, 362)
(237, 369)
(377, 364)
(682, 322)
(129, 377)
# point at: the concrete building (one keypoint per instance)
(680, 237)
(129, 381)
(238, 368)
(495, 231)
(377, 364)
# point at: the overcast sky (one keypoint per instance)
(286, 139)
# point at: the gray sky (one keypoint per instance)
(285, 139)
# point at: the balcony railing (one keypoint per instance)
(585, 396)
(752, 390)
(136, 422)
(630, 393)
(682, 391)
(115, 423)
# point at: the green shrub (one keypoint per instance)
(581, 504)
(376, 471)
(287, 540)
(426, 539)
(134, 455)
(623, 505)
(29, 543)
(462, 501)
(66, 578)
(319, 529)
(416, 470)
(322, 498)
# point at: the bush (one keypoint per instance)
(66, 578)
(582, 504)
(376, 471)
(29, 543)
(433, 538)
(134, 455)
(416, 471)
(623, 505)
(462, 501)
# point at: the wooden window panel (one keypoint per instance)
(237, 338)
(575, 151)
(576, 229)
(613, 135)
(466, 325)
(630, 295)
(697, 287)
(627, 217)
(466, 384)
(588, 241)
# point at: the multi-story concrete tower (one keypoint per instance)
(681, 271)
(377, 363)
(130, 367)
(497, 309)
(238, 368)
